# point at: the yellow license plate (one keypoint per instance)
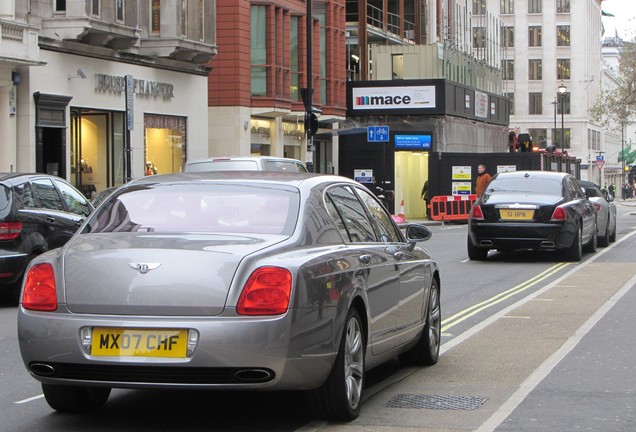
(516, 214)
(120, 342)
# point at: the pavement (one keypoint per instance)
(557, 360)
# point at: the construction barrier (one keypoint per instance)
(451, 207)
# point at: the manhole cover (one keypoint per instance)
(419, 401)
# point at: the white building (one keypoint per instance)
(105, 86)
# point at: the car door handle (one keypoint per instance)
(365, 259)
(50, 219)
(398, 256)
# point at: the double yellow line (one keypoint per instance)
(451, 321)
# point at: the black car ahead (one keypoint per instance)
(536, 210)
(38, 212)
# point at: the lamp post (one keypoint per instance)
(554, 103)
(562, 90)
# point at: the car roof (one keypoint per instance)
(295, 179)
(243, 158)
(18, 177)
(533, 174)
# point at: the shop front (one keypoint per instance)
(100, 123)
(394, 126)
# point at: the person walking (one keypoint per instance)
(483, 178)
(426, 196)
(611, 190)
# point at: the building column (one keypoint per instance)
(7, 144)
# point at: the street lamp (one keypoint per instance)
(554, 103)
(562, 90)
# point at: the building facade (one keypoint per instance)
(117, 84)
(254, 96)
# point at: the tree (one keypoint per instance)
(615, 108)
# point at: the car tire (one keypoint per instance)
(426, 351)
(575, 251)
(605, 240)
(476, 253)
(75, 399)
(592, 244)
(612, 237)
(340, 396)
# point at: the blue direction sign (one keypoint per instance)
(378, 133)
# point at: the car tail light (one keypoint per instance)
(266, 292)
(10, 230)
(40, 292)
(559, 214)
(597, 207)
(476, 213)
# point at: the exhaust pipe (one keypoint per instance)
(42, 369)
(485, 243)
(253, 375)
(547, 244)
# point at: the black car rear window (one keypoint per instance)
(5, 194)
(527, 185)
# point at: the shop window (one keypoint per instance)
(165, 138)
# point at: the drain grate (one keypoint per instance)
(418, 401)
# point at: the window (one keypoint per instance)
(534, 70)
(507, 36)
(95, 7)
(60, 5)
(349, 215)
(294, 58)
(535, 101)
(563, 6)
(166, 143)
(511, 102)
(74, 201)
(479, 7)
(563, 35)
(565, 100)
(119, 11)
(539, 137)
(155, 16)
(380, 219)
(508, 69)
(258, 36)
(507, 7)
(184, 18)
(479, 37)
(534, 36)
(563, 69)
(47, 194)
(534, 6)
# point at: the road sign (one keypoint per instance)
(378, 133)
(599, 164)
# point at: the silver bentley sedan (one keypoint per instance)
(230, 280)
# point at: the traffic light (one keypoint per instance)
(311, 124)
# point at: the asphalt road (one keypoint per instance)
(529, 344)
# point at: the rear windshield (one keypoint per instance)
(289, 166)
(526, 185)
(223, 165)
(204, 208)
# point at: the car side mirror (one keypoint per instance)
(418, 233)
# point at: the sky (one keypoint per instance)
(624, 20)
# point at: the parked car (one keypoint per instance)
(537, 210)
(245, 163)
(102, 195)
(605, 212)
(38, 212)
(236, 281)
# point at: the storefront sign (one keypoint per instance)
(373, 98)
(117, 84)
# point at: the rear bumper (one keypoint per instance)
(12, 265)
(518, 236)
